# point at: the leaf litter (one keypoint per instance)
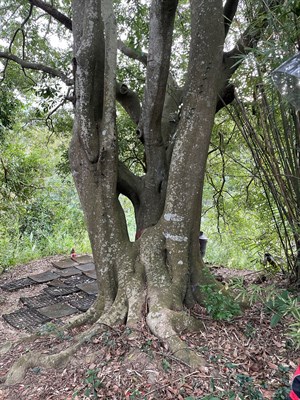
(245, 358)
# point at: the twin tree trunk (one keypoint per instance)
(159, 273)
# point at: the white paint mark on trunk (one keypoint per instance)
(175, 238)
(173, 217)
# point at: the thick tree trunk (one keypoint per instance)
(161, 272)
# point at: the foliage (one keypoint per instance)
(271, 136)
(91, 384)
(233, 198)
(39, 210)
(219, 305)
(249, 220)
(281, 304)
(245, 389)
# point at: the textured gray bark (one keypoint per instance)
(161, 267)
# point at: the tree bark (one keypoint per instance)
(162, 270)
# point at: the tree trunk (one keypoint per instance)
(161, 272)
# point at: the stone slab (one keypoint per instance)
(17, 284)
(86, 267)
(84, 259)
(44, 277)
(67, 263)
(89, 288)
(91, 274)
(25, 318)
(82, 301)
(57, 283)
(58, 310)
(67, 272)
(61, 291)
(42, 300)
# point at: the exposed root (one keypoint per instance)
(30, 360)
(89, 317)
(116, 314)
(5, 348)
(136, 306)
(166, 325)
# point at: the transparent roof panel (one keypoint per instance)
(287, 79)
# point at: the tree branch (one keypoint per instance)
(57, 15)
(20, 29)
(129, 101)
(131, 53)
(160, 43)
(129, 184)
(229, 13)
(226, 96)
(249, 38)
(67, 22)
(247, 41)
(37, 67)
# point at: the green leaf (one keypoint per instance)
(275, 320)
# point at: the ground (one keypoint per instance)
(245, 358)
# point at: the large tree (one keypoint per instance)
(161, 273)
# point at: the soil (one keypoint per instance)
(245, 358)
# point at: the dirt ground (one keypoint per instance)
(245, 358)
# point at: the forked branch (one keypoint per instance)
(57, 15)
(230, 9)
(37, 67)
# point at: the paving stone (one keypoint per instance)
(44, 277)
(82, 301)
(57, 310)
(86, 267)
(57, 283)
(25, 318)
(91, 274)
(61, 291)
(67, 263)
(41, 300)
(67, 272)
(89, 288)
(17, 284)
(77, 279)
(84, 259)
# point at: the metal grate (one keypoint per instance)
(41, 300)
(77, 280)
(17, 284)
(60, 291)
(82, 301)
(25, 318)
